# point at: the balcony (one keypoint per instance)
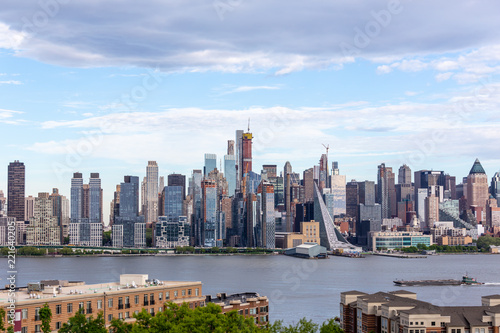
(120, 306)
(152, 302)
(37, 317)
(127, 306)
(146, 303)
(89, 310)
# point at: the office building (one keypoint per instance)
(238, 154)
(477, 189)
(43, 228)
(352, 198)
(60, 209)
(129, 228)
(422, 180)
(308, 182)
(404, 175)
(172, 201)
(15, 190)
(270, 170)
(495, 187)
(210, 163)
(431, 212)
(196, 193)
(230, 173)
(386, 191)
(151, 213)
(338, 191)
(246, 153)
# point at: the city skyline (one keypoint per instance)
(372, 80)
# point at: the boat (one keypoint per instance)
(466, 280)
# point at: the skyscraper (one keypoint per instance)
(95, 199)
(129, 229)
(210, 214)
(60, 210)
(404, 174)
(338, 190)
(246, 153)
(3, 201)
(386, 191)
(230, 173)
(477, 189)
(176, 179)
(151, 192)
(15, 190)
(267, 220)
(495, 187)
(239, 149)
(76, 197)
(172, 202)
(195, 191)
(210, 163)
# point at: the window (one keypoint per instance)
(120, 315)
(459, 330)
(110, 303)
(136, 311)
(58, 325)
(253, 311)
(146, 299)
(99, 303)
(24, 329)
(175, 293)
(136, 299)
(80, 305)
(110, 317)
(433, 323)
(160, 309)
(246, 312)
(411, 323)
(127, 315)
(196, 292)
(37, 314)
(37, 329)
(167, 294)
(453, 330)
(24, 313)
(152, 311)
(152, 299)
(70, 307)
(58, 309)
(183, 292)
(189, 292)
(160, 296)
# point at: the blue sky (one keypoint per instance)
(105, 86)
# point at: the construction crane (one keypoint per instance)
(327, 147)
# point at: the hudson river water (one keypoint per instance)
(296, 287)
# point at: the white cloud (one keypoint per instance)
(7, 117)
(443, 76)
(15, 82)
(9, 38)
(384, 69)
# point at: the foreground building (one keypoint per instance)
(401, 312)
(123, 299)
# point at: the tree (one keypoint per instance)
(119, 326)
(149, 237)
(46, 316)
(80, 324)
(330, 326)
(106, 238)
(2, 316)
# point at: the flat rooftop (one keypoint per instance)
(80, 288)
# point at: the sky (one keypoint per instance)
(105, 86)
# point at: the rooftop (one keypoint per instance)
(477, 168)
(74, 288)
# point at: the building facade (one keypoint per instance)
(15, 190)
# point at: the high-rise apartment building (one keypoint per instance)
(196, 193)
(338, 190)
(209, 211)
(431, 212)
(172, 202)
(352, 198)
(495, 187)
(151, 192)
(15, 190)
(267, 219)
(85, 226)
(43, 228)
(29, 207)
(230, 173)
(246, 153)
(129, 228)
(60, 209)
(3, 204)
(386, 191)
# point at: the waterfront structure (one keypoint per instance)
(477, 190)
(151, 213)
(309, 233)
(129, 228)
(16, 190)
(400, 311)
(389, 240)
(43, 228)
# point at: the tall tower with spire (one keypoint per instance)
(477, 189)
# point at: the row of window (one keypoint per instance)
(149, 299)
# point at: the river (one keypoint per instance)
(296, 287)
